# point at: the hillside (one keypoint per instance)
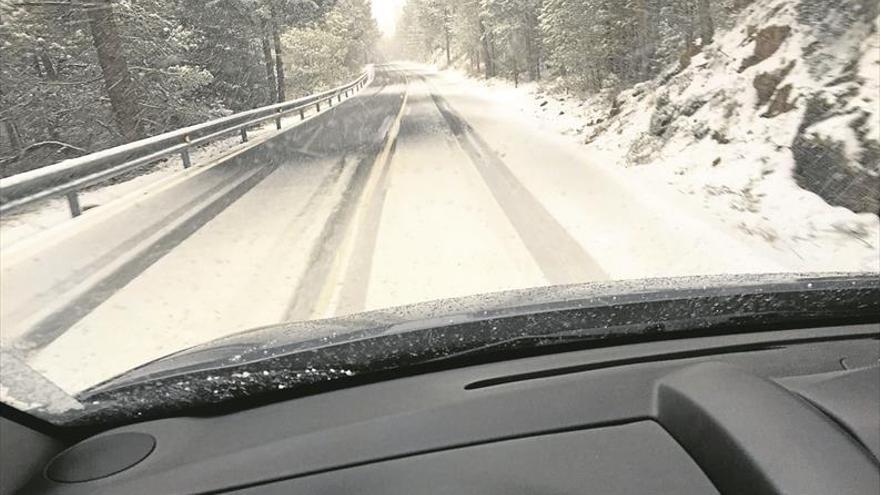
(772, 128)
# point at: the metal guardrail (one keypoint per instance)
(68, 177)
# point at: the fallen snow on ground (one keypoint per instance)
(702, 132)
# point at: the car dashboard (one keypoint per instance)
(787, 411)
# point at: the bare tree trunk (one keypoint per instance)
(49, 67)
(704, 18)
(646, 39)
(515, 73)
(114, 67)
(446, 21)
(530, 56)
(37, 67)
(487, 56)
(448, 55)
(46, 70)
(270, 67)
(14, 137)
(688, 34)
(538, 64)
(539, 49)
(492, 56)
(279, 63)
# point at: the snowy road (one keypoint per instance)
(414, 190)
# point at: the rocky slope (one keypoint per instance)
(775, 127)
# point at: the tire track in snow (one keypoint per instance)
(319, 284)
(561, 258)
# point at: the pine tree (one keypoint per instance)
(78, 76)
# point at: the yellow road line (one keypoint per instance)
(328, 298)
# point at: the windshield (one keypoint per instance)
(178, 171)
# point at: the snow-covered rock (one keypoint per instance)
(774, 128)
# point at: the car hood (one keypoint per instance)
(270, 363)
(498, 307)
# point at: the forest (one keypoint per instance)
(588, 45)
(666, 78)
(78, 76)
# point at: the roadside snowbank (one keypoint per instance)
(734, 132)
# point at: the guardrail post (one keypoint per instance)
(184, 156)
(73, 202)
(82, 172)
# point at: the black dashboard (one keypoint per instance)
(789, 411)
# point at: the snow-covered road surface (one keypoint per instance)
(412, 191)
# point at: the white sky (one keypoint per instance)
(385, 12)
